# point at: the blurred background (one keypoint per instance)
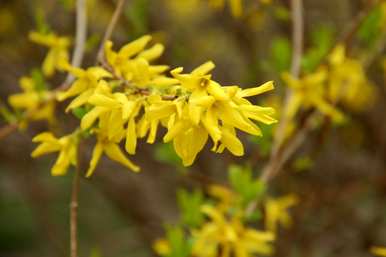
(338, 174)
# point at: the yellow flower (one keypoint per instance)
(112, 150)
(161, 247)
(109, 146)
(132, 62)
(276, 212)
(214, 110)
(225, 196)
(379, 251)
(58, 50)
(66, 146)
(38, 105)
(348, 82)
(310, 91)
(230, 237)
(84, 86)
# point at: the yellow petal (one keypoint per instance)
(190, 143)
(231, 142)
(131, 137)
(96, 155)
(152, 53)
(134, 47)
(114, 153)
(102, 100)
(217, 91)
(45, 148)
(204, 68)
(153, 132)
(256, 90)
(210, 123)
(90, 117)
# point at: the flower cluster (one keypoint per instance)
(57, 54)
(127, 98)
(221, 223)
(341, 80)
(35, 102)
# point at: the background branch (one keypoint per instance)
(110, 29)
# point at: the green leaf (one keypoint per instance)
(244, 184)
(39, 81)
(179, 246)
(79, 112)
(190, 204)
(166, 154)
(138, 13)
(41, 23)
(370, 29)
(321, 41)
(281, 53)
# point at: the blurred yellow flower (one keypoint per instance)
(310, 91)
(58, 51)
(276, 212)
(231, 237)
(379, 251)
(347, 81)
(161, 247)
(66, 146)
(37, 104)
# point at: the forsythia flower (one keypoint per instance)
(230, 237)
(66, 146)
(236, 6)
(310, 91)
(208, 105)
(57, 54)
(379, 251)
(347, 81)
(276, 212)
(129, 98)
(38, 104)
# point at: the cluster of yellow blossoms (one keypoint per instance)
(341, 80)
(127, 98)
(226, 229)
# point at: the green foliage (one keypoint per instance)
(138, 13)
(321, 41)
(371, 27)
(282, 13)
(79, 112)
(39, 81)
(281, 54)
(166, 154)
(179, 245)
(40, 21)
(190, 204)
(244, 184)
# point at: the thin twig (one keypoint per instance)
(110, 29)
(74, 214)
(297, 38)
(80, 38)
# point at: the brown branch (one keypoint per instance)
(110, 29)
(297, 38)
(74, 214)
(80, 39)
